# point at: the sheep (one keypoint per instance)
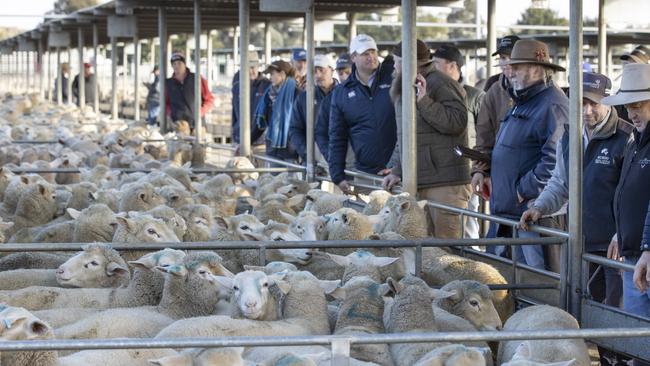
(17, 184)
(171, 218)
(542, 352)
(145, 288)
(470, 300)
(32, 260)
(109, 196)
(457, 355)
(176, 197)
(21, 278)
(403, 215)
(322, 202)
(363, 263)
(140, 197)
(142, 228)
(376, 201)
(199, 221)
(361, 312)
(36, 206)
(57, 232)
(4, 226)
(235, 227)
(97, 222)
(189, 291)
(348, 224)
(181, 174)
(82, 195)
(308, 225)
(255, 295)
(5, 177)
(272, 267)
(231, 356)
(272, 205)
(98, 265)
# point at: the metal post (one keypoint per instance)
(602, 38)
(49, 76)
(188, 54)
(59, 77)
(477, 21)
(209, 59)
(114, 78)
(82, 71)
(309, 24)
(136, 78)
(244, 83)
(304, 32)
(610, 64)
(69, 76)
(267, 42)
(95, 69)
(198, 123)
(575, 154)
(409, 69)
(352, 31)
(27, 72)
(162, 37)
(125, 71)
(152, 53)
(235, 43)
(491, 35)
(41, 77)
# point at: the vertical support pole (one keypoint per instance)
(27, 71)
(602, 38)
(575, 154)
(267, 42)
(491, 36)
(82, 71)
(198, 122)
(188, 54)
(610, 64)
(309, 25)
(244, 83)
(70, 76)
(95, 80)
(352, 31)
(41, 69)
(209, 59)
(409, 69)
(152, 53)
(304, 32)
(59, 77)
(136, 78)
(49, 75)
(114, 78)
(235, 43)
(477, 14)
(162, 36)
(125, 71)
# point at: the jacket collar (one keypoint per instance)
(384, 68)
(609, 128)
(526, 94)
(642, 137)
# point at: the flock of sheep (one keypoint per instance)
(102, 293)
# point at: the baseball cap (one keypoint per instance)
(450, 53)
(595, 86)
(299, 54)
(177, 56)
(640, 55)
(323, 61)
(253, 59)
(505, 45)
(343, 61)
(362, 43)
(280, 65)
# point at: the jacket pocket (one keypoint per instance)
(425, 162)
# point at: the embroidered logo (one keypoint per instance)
(384, 86)
(352, 94)
(540, 55)
(604, 151)
(603, 158)
(644, 162)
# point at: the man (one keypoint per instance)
(89, 90)
(495, 105)
(524, 153)
(441, 124)
(153, 96)
(325, 83)
(64, 74)
(180, 93)
(343, 67)
(362, 114)
(449, 60)
(640, 55)
(299, 62)
(632, 194)
(605, 137)
(258, 86)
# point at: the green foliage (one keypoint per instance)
(536, 16)
(467, 14)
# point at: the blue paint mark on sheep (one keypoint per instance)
(354, 313)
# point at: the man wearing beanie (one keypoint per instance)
(180, 93)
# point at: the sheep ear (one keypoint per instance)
(394, 285)
(344, 218)
(295, 200)
(226, 282)
(383, 261)
(287, 216)
(339, 293)
(116, 269)
(223, 271)
(142, 196)
(128, 224)
(384, 290)
(24, 179)
(314, 185)
(41, 189)
(423, 203)
(329, 286)
(37, 329)
(221, 222)
(523, 351)
(441, 294)
(374, 236)
(252, 201)
(186, 165)
(339, 259)
(13, 321)
(175, 270)
(73, 213)
(284, 286)
(405, 206)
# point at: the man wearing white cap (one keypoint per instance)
(325, 83)
(362, 114)
(632, 193)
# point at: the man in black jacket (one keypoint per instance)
(89, 87)
(258, 85)
(632, 193)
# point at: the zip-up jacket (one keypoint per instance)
(365, 117)
(258, 88)
(298, 128)
(179, 98)
(632, 194)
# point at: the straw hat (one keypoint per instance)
(528, 51)
(635, 86)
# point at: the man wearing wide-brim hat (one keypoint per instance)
(441, 118)
(632, 194)
(524, 153)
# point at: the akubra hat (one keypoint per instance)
(635, 86)
(528, 51)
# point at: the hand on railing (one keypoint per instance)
(642, 272)
(345, 187)
(532, 215)
(612, 250)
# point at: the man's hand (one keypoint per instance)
(481, 185)
(421, 85)
(612, 250)
(389, 181)
(236, 153)
(345, 187)
(642, 272)
(532, 214)
(385, 171)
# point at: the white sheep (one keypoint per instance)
(231, 356)
(470, 300)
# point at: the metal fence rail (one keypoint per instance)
(147, 170)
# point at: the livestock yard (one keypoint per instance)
(132, 242)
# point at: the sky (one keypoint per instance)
(508, 11)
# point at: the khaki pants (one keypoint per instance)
(446, 224)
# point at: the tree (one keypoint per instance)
(467, 14)
(7, 32)
(537, 16)
(70, 6)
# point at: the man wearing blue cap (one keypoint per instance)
(299, 62)
(605, 137)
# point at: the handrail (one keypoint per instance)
(278, 161)
(592, 258)
(266, 341)
(148, 170)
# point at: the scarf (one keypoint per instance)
(281, 102)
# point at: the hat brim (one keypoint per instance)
(533, 62)
(626, 98)
(502, 52)
(594, 97)
(632, 58)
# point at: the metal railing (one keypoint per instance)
(148, 170)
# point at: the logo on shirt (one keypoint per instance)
(643, 162)
(384, 86)
(604, 151)
(352, 94)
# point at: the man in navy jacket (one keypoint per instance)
(258, 85)
(362, 114)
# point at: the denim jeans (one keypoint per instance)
(634, 301)
(532, 255)
(153, 114)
